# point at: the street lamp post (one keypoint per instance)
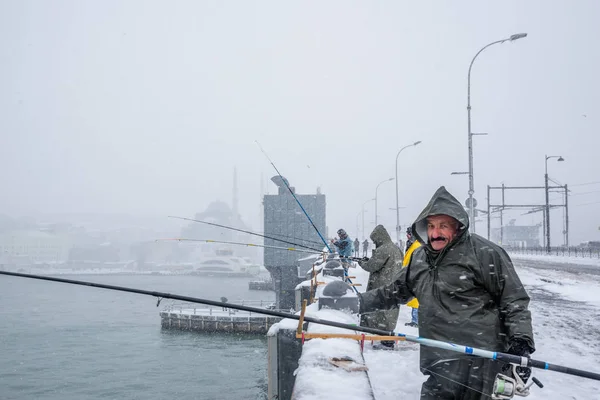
(377, 188)
(547, 210)
(363, 215)
(397, 208)
(471, 183)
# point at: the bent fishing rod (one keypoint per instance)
(238, 243)
(251, 233)
(493, 355)
(295, 198)
(304, 211)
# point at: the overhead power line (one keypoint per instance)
(585, 184)
(581, 194)
(575, 194)
(585, 204)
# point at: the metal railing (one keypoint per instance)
(194, 307)
(556, 251)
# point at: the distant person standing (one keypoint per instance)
(365, 247)
(345, 247)
(356, 247)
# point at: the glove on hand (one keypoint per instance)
(520, 347)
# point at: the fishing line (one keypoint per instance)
(251, 233)
(295, 198)
(458, 383)
(237, 243)
(303, 210)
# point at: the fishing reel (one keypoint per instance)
(506, 387)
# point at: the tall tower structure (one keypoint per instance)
(284, 218)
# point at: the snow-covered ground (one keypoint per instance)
(566, 318)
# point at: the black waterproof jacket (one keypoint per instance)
(469, 292)
(384, 266)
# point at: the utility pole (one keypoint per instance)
(471, 203)
(397, 206)
(489, 220)
(544, 226)
(559, 158)
(566, 216)
(547, 211)
(536, 208)
(501, 218)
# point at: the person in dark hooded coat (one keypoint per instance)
(384, 266)
(345, 247)
(469, 294)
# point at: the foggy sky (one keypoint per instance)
(145, 107)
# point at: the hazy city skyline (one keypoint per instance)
(145, 108)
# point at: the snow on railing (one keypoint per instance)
(180, 307)
(561, 251)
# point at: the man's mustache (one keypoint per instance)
(438, 239)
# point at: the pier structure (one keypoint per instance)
(209, 319)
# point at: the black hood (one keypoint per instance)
(442, 203)
(380, 236)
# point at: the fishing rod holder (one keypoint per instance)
(506, 387)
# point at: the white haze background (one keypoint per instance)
(145, 108)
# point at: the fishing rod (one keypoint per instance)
(303, 210)
(492, 355)
(255, 245)
(251, 233)
(295, 198)
(238, 243)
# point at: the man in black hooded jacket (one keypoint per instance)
(469, 294)
(383, 267)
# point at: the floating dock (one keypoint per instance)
(191, 317)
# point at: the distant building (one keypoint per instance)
(516, 235)
(105, 252)
(590, 245)
(283, 218)
(219, 213)
(25, 247)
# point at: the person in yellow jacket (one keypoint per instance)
(411, 246)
